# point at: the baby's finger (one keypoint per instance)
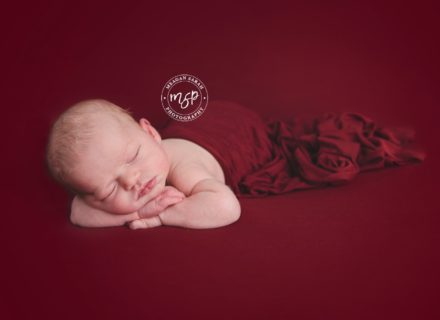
(137, 224)
(176, 193)
(145, 223)
(171, 191)
(168, 201)
(180, 193)
(152, 208)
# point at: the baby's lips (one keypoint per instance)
(147, 188)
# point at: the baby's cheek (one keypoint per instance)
(122, 205)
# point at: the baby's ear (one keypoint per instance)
(146, 125)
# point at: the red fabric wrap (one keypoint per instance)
(262, 157)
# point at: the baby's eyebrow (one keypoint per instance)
(127, 152)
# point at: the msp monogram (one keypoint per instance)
(184, 97)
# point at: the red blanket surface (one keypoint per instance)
(262, 157)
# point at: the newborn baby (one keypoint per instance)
(122, 172)
(191, 174)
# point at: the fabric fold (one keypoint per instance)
(261, 158)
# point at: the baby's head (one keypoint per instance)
(100, 153)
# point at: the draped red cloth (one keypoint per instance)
(261, 157)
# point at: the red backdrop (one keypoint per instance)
(366, 250)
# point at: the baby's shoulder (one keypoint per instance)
(190, 163)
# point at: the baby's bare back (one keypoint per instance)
(187, 154)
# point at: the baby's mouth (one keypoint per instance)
(147, 187)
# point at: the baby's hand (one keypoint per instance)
(145, 223)
(168, 197)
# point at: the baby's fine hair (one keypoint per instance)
(72, 130)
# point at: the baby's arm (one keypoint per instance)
(211, 204)
(86, 216)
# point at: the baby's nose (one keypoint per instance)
(129, 181)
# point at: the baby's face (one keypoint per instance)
(117, 164)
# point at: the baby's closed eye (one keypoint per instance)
(110, 193)
(133, 158)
